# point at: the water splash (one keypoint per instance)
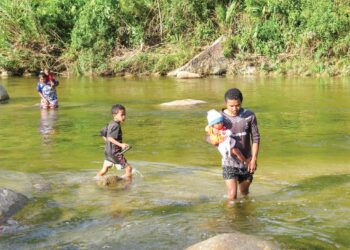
(135, 171)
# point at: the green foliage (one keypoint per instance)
(160, 60)
(93, 35)
(85, 35)
(57, 17)
(19, 33)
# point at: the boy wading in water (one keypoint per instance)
(244, 130)
(114, 143)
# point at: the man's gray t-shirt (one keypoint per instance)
(114, 130)
(244, 128)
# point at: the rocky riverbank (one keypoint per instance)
(210, 60)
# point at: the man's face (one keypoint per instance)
(233, 106)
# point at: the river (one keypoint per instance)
(300, 197)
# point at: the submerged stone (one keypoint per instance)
(234, 241)
(185, 102)
(110, 180)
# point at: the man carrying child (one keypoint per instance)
(238, 169)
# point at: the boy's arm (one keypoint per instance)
(115, 142)
(112, 132)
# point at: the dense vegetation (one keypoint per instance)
(114, 36)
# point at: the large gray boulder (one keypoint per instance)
(211, 61)
(10, 203)
(233, 241)
(3, 94)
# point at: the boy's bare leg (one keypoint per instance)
(231, 189)
(128, 171)
(103, 171)
(244, 187)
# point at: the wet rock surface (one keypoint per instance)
(3, 94)
(210, 61)
(234, 241)
(10, 203)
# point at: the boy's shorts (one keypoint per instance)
(235, 170)
(120, 164)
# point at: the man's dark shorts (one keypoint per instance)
(240, 174)
(236, 170)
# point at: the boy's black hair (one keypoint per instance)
(233, 94)
(116, 108)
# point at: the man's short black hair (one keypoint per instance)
(233, 94)
(116, 108)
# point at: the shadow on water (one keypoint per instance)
(302, 215)
(316, 184)
(241, 216)
(40, 210)
(24, 99)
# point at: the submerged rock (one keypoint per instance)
(10, 203)
(3, 94)
(184, 102)
(11, 226)
(110, 180)
(40, 184)
(41, 187)
(234, 241)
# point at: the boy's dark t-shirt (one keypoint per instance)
(113, 130)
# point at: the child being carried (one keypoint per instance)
(220, 137)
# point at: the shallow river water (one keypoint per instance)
(300, 197)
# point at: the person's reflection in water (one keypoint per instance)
(47, 125)
(241, 215)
